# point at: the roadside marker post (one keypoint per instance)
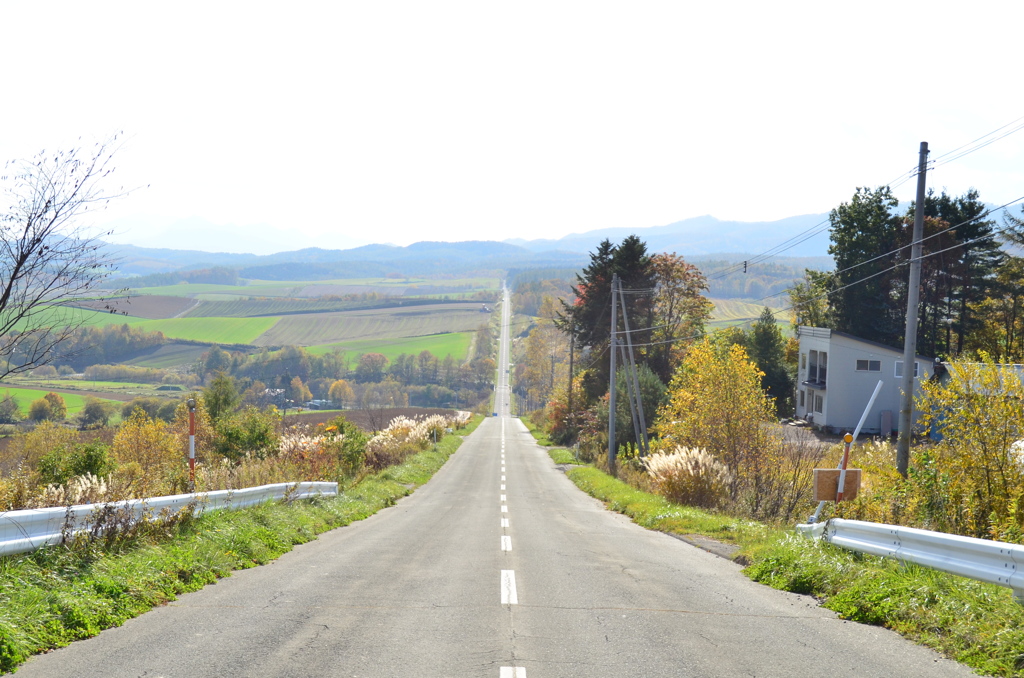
(191, 445)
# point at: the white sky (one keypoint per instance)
(339, 123)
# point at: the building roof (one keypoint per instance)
(826, 333)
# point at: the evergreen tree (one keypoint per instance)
(961, 272)
(767, 348)
(589, 317)
(863, 297)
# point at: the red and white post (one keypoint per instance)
(191, 445)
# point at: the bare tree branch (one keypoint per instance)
(49, 265)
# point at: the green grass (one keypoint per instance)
(974, 623)
(57, 595)
(560, 455)
(455, 344)
(537, 432)
(25, 396)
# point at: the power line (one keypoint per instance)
(898, 181)
(979, 146)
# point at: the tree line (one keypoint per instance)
(971, 283)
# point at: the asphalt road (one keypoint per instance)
(500, 568)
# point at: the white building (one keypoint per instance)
(838, 372)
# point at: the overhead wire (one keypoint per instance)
(776, 312)
(898, 181)
(818, 228)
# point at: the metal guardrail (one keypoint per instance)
(981, 559)
(31, 529)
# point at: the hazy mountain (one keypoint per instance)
(707, 235)
(422, 258)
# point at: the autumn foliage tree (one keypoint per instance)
(680, 311)
(716, 403)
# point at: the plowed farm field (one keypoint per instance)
(329, 328)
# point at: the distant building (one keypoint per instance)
(837, 373)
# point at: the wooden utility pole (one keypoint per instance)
(572, 350)
(612, 349)
(910, 335)
(639, 421)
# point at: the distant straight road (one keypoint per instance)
(499, 568)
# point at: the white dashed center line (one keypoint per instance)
(506, 543)
(504, 522)
(504, 509)
(512, 672)
(508, 588)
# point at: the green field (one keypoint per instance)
(58, 316)
(25, 396)
(377, 324)
(168, 355)
(441, 345)
(211, 330)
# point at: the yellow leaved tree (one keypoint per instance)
(972, 481)
(716, 403)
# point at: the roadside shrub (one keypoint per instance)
(61, 464)
(689, 476)
(149, 444)
(29, 448)
(979, 414)
(249, 431)
(347, 443)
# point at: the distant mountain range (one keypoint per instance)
(804, 236)
(801, 239)
(698, 238)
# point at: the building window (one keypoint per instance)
(802, 398)
(869, 365)
(819, 404)
(899, 369)
(818, 372)
(803, 361)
